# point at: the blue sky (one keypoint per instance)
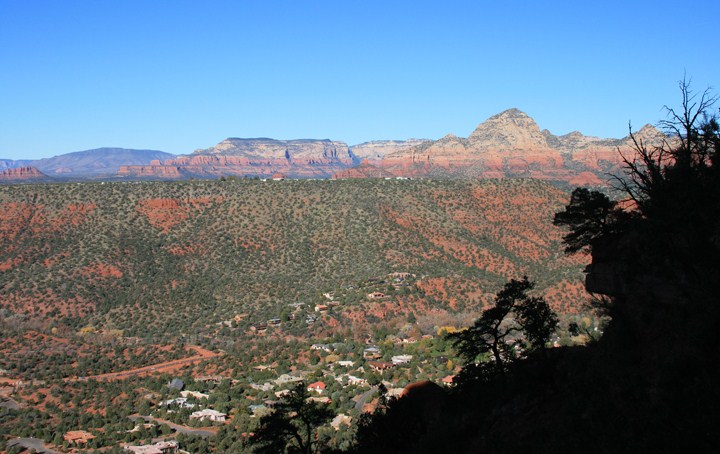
(179, 75)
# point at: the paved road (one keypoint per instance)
(31, 443)
(364, 397)
(177, 427)
(7, 402)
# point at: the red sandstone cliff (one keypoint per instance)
(253, 157)
(22, 175)
(364, 170)
(511, 144)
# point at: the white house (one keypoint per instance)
(208, 414)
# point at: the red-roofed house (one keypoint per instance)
(318, 387)
(380, 366)
(448, 381)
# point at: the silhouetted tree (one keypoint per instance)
(588, 216)
(658, 259)
(292, 425)
(514, 312)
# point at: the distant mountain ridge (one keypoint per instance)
(99, 162)
(95, 162)
(302, 158)
(509, 144)
(12, 163)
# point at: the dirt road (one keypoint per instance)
(168, 366)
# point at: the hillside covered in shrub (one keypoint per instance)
(162, 260)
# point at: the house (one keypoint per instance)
(278, 177)
(371, 352)
(139, 427)
(179, 401)
(344, 363)
(176, 383)
(380, 366)
(449, 380)
(318, 387)
(282, 393)
(161, 447)
(320, 400)
(208, 414)
(324, 347)
(340, 419)
(258, 327)
(216, 379)
(265, 387)
(401, 359)
(286, 378)
(78, 437)
(329, 295)
(274, 322)
(195, 394)
(321, 307)
(356, 381)
(376, 295)
(240, 317)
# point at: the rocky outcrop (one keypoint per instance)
(25, 174)
(511, 144)
(376, 150)
(364, 170)
(253, 157)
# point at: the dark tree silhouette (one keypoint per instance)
(588, 216)
(659, 262)
(292, 425)
(514, 312)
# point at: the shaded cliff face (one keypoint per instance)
(253, 157)
(511, 144)
(376, 150)
(25, 174)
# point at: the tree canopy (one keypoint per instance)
(496, 331)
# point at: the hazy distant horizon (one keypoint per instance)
(177, 76)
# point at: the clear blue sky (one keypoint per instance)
(179, 75)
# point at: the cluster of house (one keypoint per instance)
(205, 414)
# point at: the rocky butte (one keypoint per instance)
(510, 144)
(263, 157)
(25, 174)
